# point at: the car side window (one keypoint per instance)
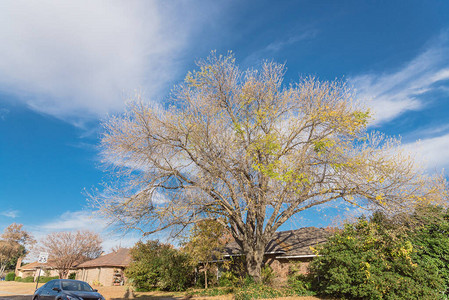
(69, 286)
(49, 285)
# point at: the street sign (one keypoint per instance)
(43, 257)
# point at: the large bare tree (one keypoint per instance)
(243, 147)
(70, 248)
(13, 246)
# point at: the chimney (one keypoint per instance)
(18, 265)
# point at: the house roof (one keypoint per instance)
(292, 243)
(119, 258)
(50, 264)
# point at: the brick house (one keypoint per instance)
(32, 269)
(286, 249)
(106, 270)
(27, 270)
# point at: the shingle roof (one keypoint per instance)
(120, 258)
(288, 243)
(34, 265)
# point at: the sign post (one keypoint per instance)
(43, 257)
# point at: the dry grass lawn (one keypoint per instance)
(10, 290)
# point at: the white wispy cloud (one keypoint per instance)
(83, 220)
(77, 220)
(88, 220)
(278, 45)
(275, 46)
(429, 132)
(391, 94)
(10, 213)
(3, 113)
(110, 242)
(432, 151)
(78, 60)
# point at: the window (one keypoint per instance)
(76, 286)
(50, 285)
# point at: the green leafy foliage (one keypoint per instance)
(204, 244)
(159, 266)
(268, 275)
(42, 279)
(45, 279)
(19, 251)
(300, 284)
(228, 279)
(246, 288)
(26, 279)
(217, 291)
(234, 272)
(10, 276)
(13, 243)
(260, 291)
(375, 260)
(211, 277)
(431, 239)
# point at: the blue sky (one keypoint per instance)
(65, 65)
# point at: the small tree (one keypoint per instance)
(70, 248)
(205, 243)
(9, 252)
(13, 246)
(242, 147)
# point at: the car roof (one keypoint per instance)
(72, 280)
(67, 280)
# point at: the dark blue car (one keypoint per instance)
(66, 289)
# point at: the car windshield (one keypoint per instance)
(76, 286)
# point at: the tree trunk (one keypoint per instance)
(254, 260)
(62, 274)
(2, 270)
(205, 277)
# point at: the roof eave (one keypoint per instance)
(297, 256)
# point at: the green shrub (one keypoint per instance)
(72, 275)
(175, 271)
(159, 266)
(26, 279)
(268, 275)
(45, 279)
(431, 239)
(10, 276)
(300, 284)
(258, 291)
(211, 278)
(212, 292)
(228, 279)
(234, 273)
(369, 260)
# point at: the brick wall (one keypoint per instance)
(283, 267)
(102, 275)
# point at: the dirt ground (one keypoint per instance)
(10, 290)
